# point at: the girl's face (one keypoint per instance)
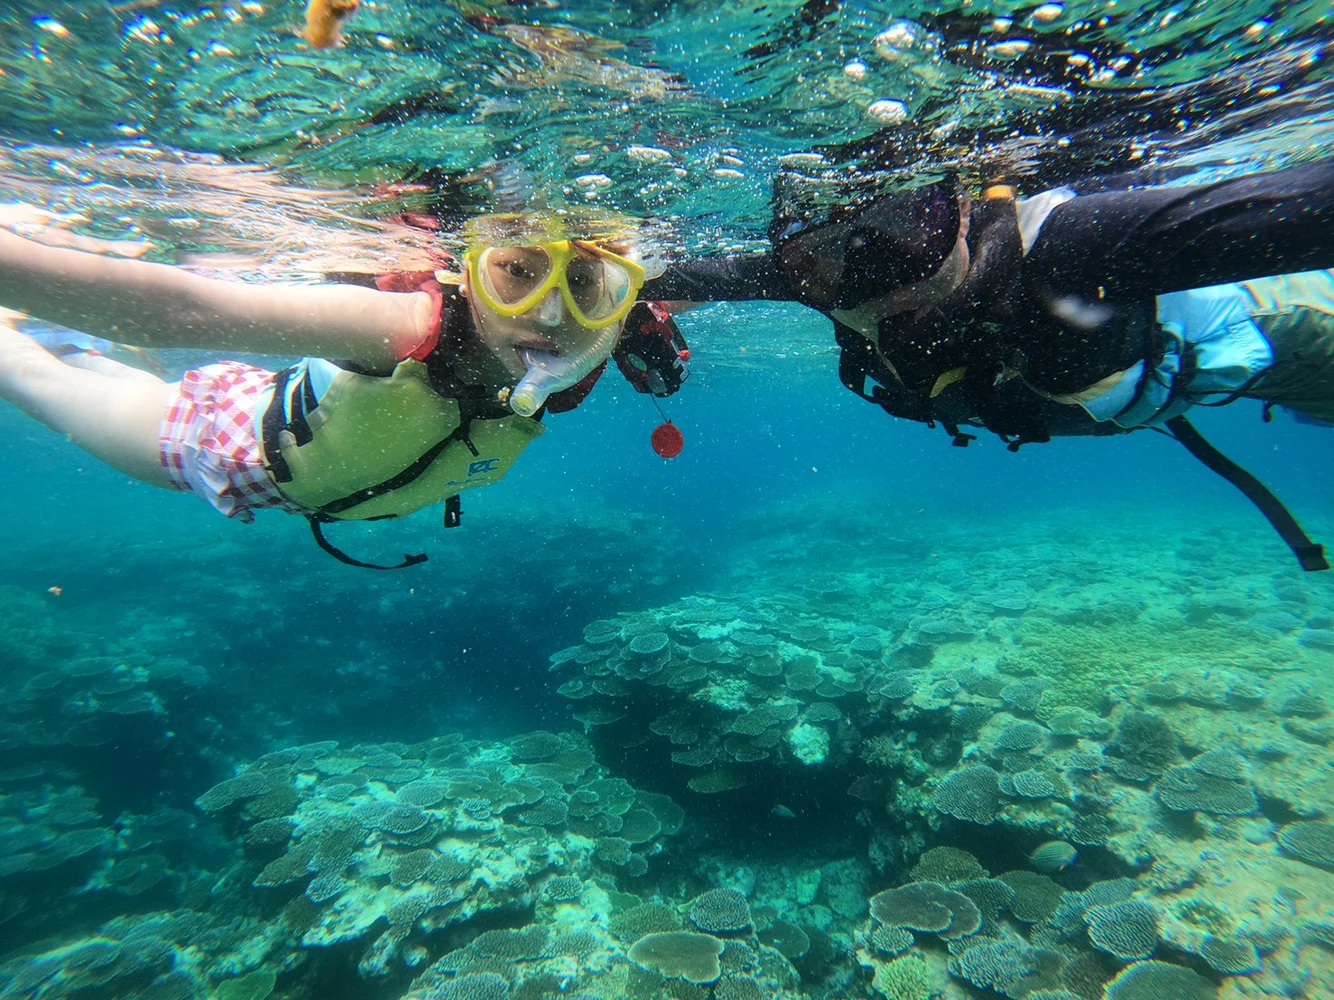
(547, 326)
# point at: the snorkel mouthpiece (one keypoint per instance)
(549, 373)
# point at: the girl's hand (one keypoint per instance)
(48, 228)
(25, 219)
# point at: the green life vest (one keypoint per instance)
(383, 446)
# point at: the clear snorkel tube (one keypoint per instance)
(549, 373)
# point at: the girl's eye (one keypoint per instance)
(516, 270)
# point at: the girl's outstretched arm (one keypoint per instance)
(157, 305)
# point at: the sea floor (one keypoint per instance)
(1060, 755)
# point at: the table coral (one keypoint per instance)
(1127, 930)
(927, 906)
(971, 794)
(720, 911)
(1157, 980)
(685, 954)
(1312, 842)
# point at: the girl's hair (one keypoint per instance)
(615, 233)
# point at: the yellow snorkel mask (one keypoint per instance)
(598, 287)
(515, 277)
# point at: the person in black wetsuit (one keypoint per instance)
(1079, 311)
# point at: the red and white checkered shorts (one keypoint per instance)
(209, 443)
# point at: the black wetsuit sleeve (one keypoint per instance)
(721, 279)
(1155, 240)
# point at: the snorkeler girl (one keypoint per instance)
(441, 381)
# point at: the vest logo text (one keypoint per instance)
(482, 466)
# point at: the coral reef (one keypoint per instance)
(1155, 980)
(1037, 777)
(390, 850)
(687, 954)
(906, 978)
(1005, 717)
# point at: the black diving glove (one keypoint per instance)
(652, 354)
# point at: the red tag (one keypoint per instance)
(667, 440)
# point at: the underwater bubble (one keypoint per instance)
(888, 111)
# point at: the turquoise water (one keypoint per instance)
(748, 693)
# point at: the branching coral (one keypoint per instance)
(906, 978)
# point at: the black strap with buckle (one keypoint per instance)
(1310, 554)
(317, 529)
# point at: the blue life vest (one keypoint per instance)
(1212, 350)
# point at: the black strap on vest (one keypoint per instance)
(316, 529)
(1311, 555)
(396, 481)
(453, 506)
(274, 421)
